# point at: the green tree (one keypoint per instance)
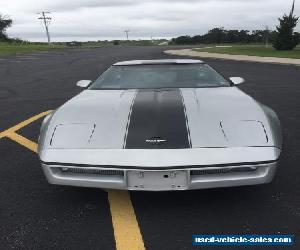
(4, 24)
(216, 35)
(116, 42)
(297, 36)
(286, 38)
(182, 40)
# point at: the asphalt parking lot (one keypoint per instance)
(36, 215)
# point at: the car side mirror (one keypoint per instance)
(83, 83)
(237, 80)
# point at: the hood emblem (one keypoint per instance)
(156, 140)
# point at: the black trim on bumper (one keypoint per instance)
(160, 168)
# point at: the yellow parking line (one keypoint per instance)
(126, 228)
(23, 141)
(23, 124)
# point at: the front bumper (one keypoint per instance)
(185, 178)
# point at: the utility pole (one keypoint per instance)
(293, 8)
(46, 19)
(267, 36)
(127, 31)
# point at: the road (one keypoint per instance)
(36, 215)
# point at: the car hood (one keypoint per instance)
(154, 119)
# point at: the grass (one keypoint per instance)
(16, 48)
(253, 50)
(7, 49)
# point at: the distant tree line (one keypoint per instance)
(221, 35)
(284, 38)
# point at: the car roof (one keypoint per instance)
(157, 62)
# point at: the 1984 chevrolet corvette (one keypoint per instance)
(160, 125)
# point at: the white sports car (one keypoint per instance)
(160, 125)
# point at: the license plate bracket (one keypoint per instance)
(157, 180)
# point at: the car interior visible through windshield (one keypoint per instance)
(160, 76)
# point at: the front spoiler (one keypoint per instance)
(208, 177)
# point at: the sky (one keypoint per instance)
(85, 20)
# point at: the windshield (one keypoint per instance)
(159, 76)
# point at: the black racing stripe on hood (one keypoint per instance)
(158, 121)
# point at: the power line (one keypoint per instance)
(46, 19)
